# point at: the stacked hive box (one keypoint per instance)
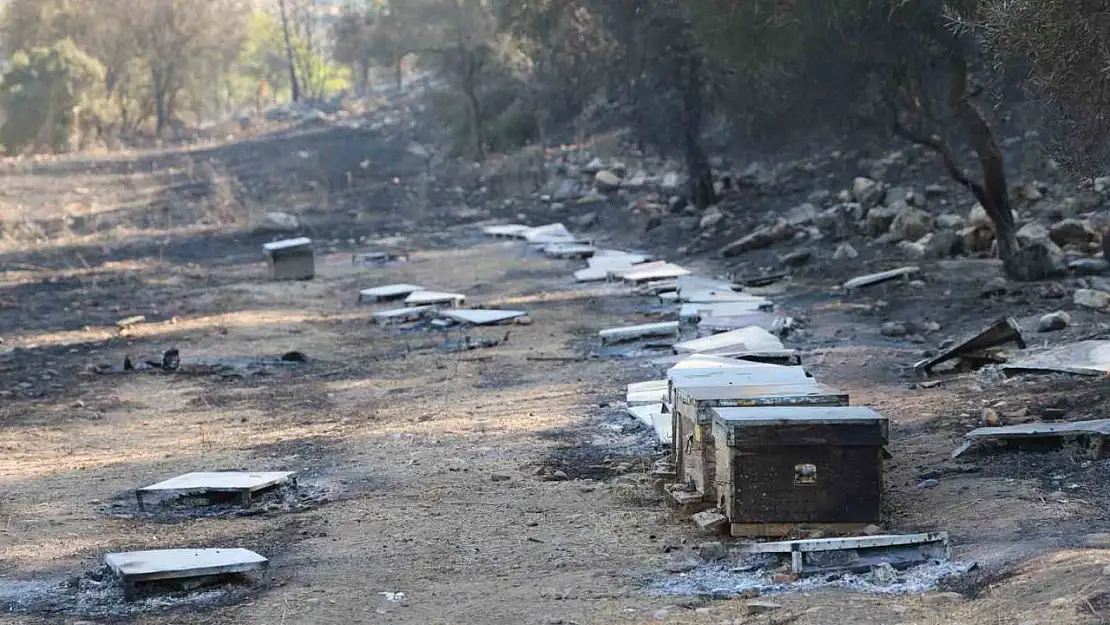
(772, 448)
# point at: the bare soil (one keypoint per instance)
(424, 460)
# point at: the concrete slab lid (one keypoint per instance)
(782, 415)
(720, 378)
(532, 234)
(752, 337)
(709, 361)
(654, 417)
(434, 297)
(286, 244)
(401, 312)
(1090, 358)
(389, 290)
(694, 310)
(507, 230)
(478, 317)
(221, 481)
(639, 331)
(562, 250)
(697, 283)
(139, 566)
(780, 389)
(592, 274)
(649, 271)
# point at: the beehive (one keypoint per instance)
(781, 467)
(292, 259)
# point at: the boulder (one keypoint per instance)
(944, 244)
(796, 258)
(1090, 298)
(912, 249)
(1054, 321)
(1072, 232)
(671, 182)
(878, 220)
(606, 180)
(845, 251)
(278, 222)
(867, 192)
(911, 224)
(710, 219)
(1037, 260)
(950, 221)
(977, 239)
(979, 217)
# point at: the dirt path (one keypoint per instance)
(423, 462)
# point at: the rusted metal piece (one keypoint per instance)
(1003, 331)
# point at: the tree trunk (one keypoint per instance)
(399, 72)
(159, 88)
(470, 88)
(698, 169)
(295, 85)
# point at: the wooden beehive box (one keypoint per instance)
(292, 259)
(782, 467)
(695, 448)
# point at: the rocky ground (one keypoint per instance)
(502, 485)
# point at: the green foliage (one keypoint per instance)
(45, 93)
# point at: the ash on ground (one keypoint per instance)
(722, 580)
(98, 594)
(283, 499)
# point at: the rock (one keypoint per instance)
(911, 249)
(1090, 298)
(802, 215)
(499, 477)
(995, 287)
(944, 244)
(1060, 602)
(593, 166)
(845, 250)
(867, 192)
(1030, 193)
(935, 190)
(711, 551)
(1052, 290)
(883, 574)
(977, 239)
(1054, 321)
(710, 219)
(589, 220)
(879, 219)
(567, 190)
(1036, 261)
(978, 217)
(606, 180)
(1032, 232)
(990, 417)
(1106, 571)
(894, 329)
(1072, 232)
(683, 562)
(671, 182)
(911, 224)
(279, 222)
(764, 237)
(759, 606)
(796, 258)
(872, 530)
(930, 326)
(950, 221)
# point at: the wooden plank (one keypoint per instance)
(841, 543)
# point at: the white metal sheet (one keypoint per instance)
(227, 481)
(481, 317)
(419, 298)
(751, 338)
(388, 291)
(286, 244)
(133, 566)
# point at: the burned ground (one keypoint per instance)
(442, 468)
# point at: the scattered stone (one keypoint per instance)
(499, 477)
(872, 530)
(607, 181)
(1060, 602)
(894, 329)
(845, 250)
(802, 215)
(879, 220)
(594, 166)
(1053, 322)
(867, 192)
(930, 326)
(990, 417)
(1090, 298)
(567, 190)
(278, 222)
(708, 519)
(1038, 260)
(930, 483)
(912, 250)
(558, 475)
(883, 574)
(1072, 232)
(755, 607)
(950, 221)
(978, 217)
(977, 239)
(944, 244)
(911, 224)
(589, 220)
(796, 258)
(710, 219)
(1053, 290)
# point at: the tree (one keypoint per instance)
(287, 32)
(45, 94)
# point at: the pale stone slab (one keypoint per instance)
(222, 481)
(882, 276)
(631, 333)
(649, 271)
(652, 392)
(162, 564)
(388, 292)
(655, 417)
(400, 315)
(507, 231)
(569, 250)
(421, 298)
(286, 244)
(697, 310)
(751, 338)
(481, 317)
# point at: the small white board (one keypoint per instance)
(286, 244)
(431, 298)
(162, 564)
(651, 392)
(882, 276)
(388, 292)
(221, 481)
(752, 338)
(480, 317)
(654, 417)
(400, 315)
(694, 311)
(632, 333)
(507, 231)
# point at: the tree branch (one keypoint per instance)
(947, 157)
